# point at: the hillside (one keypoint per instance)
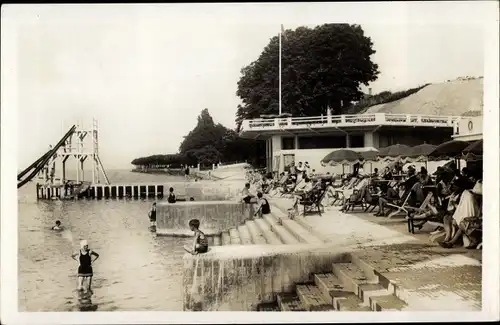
(454, 97)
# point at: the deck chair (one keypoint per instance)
(412, 211)
(312, 200)
(403, 208)
(356, 199)
(339, 192)
(371, 201)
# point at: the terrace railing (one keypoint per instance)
(263, 124)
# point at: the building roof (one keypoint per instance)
(448, 98)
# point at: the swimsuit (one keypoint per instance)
(265, 208)
(171, 198)
(85, 268)
(202, 242)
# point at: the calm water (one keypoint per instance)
(136, 270)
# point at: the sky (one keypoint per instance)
(146, 74)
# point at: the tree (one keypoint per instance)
(321, 67)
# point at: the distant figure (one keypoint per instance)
(85, 268)
(200, 242)
(191, 198)
(58, 226)
(152, 215)
(186, 172)
(263, 206)
(171, 196)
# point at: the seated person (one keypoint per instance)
(464, 219)
(308, 186)
(392, 196)
(263, 206)
(171, 196)
(200, 242)
(247, 197)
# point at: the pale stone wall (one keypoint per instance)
(237, 277)
(214, 216)
(207, 190)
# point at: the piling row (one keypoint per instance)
(99, 191)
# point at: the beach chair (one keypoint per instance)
(312, 200)
(340, 192)
(411, 211)
(371, 201)
(356, 199)
(404, 207)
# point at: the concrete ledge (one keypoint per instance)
(238, 277)
(214, 216)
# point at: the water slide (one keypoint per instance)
(42, 161)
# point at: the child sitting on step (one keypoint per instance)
(200, 242)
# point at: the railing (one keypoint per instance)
(350, 120)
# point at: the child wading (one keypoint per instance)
(85, 269)
(200, 243)
(152, 215)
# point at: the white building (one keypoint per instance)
(310, 139)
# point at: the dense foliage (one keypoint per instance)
(208, 143)
(321, 67)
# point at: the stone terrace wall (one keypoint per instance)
(207, 190)
(214, 216)
(237, 277)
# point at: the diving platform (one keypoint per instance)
(80, 144)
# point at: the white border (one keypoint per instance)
(477, 12)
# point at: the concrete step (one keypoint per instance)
(235, 236)
(331, 287)
(299, 232)
(268, 306)
(284, 235)
(246, 239)
(350, 302)
(311, 297)
(269, 235)
(217, 240)
(351, 276)
(255, 233)
(303, 222)
(387, 303)
(368, 290)
(226, 239)
(290, 302)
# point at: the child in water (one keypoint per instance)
(85, 268)
(152, 215)
(200, 242)
(58, 226)
(171, 196)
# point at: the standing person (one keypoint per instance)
(152, 215)
(85, 268)
(263, 206)
(200, 242)
(171, 196)
(186, 172)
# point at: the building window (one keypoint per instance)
(322, 142)
(287, 143)
(357, 141)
